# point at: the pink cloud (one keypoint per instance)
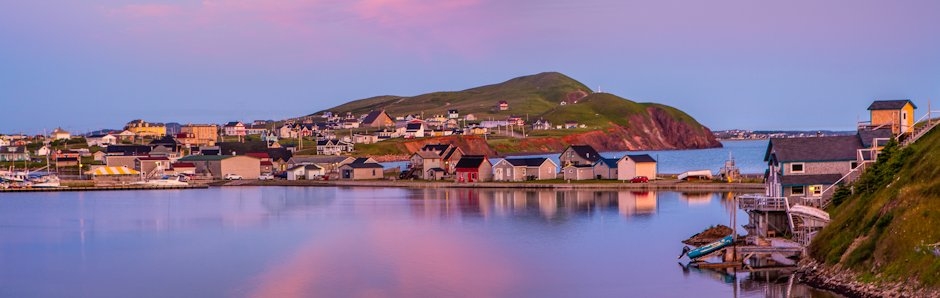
(411, 12)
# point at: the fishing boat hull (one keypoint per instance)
(710, 248)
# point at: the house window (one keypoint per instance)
(854, 165)
(796, 168)
(798, 190)
(816, 190)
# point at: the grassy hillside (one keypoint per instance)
(532, 95)
(885, 230)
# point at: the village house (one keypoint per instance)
(364, 139)
(897, 114)
(579, 155)
(639, 165)
(502, 105)
(141, 128)
(185, 168)
(541, 124)
(267, 166)
(305, 172)
(330, 164)
(99, 156)
(217, 166)
(522, 169)
(377, 119)
(200, 134)
(453, 114)
(578, 172)
(128, 150)
(474, 168)
(60, 134)
(414, 130)
(43, 151)
(126, 136)
(101, 140)
(606, 168)
(256, 129)
(803, 168)
(333, 147)
(571, 124)
(13, 153)
(361, 169)
(426, 165)
(151, 166)
(235, 128)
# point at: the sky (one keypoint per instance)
(802, 64)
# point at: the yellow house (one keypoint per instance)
(142, 128)
(899, 114)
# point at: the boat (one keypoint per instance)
(166, 180)
(705, 250)
(697, 174)
(46, 181)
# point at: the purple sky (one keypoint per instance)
(730, 64)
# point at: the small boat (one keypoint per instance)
(47, 181)
(167, 180)
(705, 250)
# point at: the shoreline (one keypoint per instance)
(676, 186)
(845, 282)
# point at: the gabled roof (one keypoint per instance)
(233, 124)
(279, 154)
(305, 167)
(367, 165)
(261, 155)
(826, 179)
(128, 149)
(152, 158)
(896, 104)
(833, 148)
(428, 154)
(471, 162)
(641, 158)
(867, 136)
(204, 158)
(527, 162)
(373, 116)
(413, 126)
(586, 152)
(439, 148)
(183, 165)
(362, 160)
(13, 149)
(610, 162)
(318, 159)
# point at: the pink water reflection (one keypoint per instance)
(384, 260)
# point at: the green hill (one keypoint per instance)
(532, 95)
(884, 230)
(610, 123)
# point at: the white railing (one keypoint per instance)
(927, 127)
(847, 178)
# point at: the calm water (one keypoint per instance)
(748, 156)
(363, 242)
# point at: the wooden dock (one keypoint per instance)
(101, 188)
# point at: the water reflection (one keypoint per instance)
(341, 242)
(551, 205)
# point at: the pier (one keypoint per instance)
(101, 188)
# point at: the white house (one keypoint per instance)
(101, 140)
(630, 166)
(578, 172)
(60, 134)
(305, 172)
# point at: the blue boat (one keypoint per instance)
(708, 248)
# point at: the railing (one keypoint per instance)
(927, 127)
(762, 203)
(847, 178)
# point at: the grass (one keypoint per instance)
(895, 206)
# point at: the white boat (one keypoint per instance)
(698, 174)
(47, 181)
(168, 180)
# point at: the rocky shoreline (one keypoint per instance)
(845, 282)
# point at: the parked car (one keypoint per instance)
(233, 177)
(266, 176)
(640, 179)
